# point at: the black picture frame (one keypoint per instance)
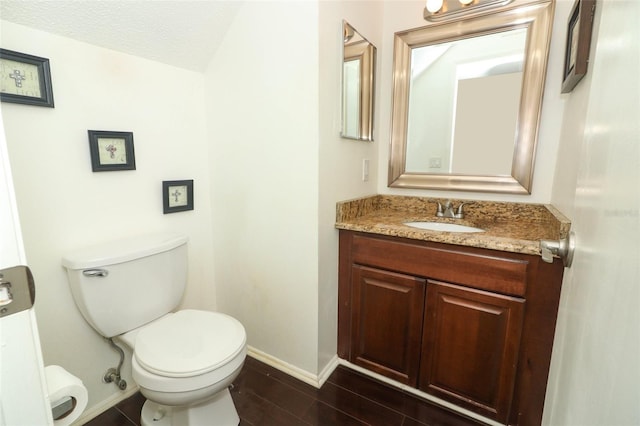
(25, 79)
(578, 43)
(177, 196)
(111, 151)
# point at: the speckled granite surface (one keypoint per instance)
(512, 227)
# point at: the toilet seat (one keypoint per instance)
(189, 343)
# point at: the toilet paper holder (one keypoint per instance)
(63, 407)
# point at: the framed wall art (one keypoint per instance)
(25, 79)
(177, 196)
(111, 151)
(576, 57)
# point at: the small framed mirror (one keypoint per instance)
(358, 76)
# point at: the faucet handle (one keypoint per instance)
(460, 210)
(440, 210)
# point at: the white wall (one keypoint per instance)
(406, 14)
(595, 373)
(340, 160)
(63, 205)
(279, 167)
(262, 113)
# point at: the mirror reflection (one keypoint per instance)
(357, 85)
(448, 115)
(467, 95)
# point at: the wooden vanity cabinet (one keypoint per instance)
(471, 326)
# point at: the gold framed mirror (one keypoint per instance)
(450, 143)
(358, 77)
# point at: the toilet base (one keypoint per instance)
(217, 411)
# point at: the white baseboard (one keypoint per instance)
(104, 405)
(327, 370)
(300, 374)
(418, 393)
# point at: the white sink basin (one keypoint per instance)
(444, 227)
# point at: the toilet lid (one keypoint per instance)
(189, 343)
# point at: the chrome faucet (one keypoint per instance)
(449, 211)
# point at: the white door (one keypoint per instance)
(23, 398)
(596, 362)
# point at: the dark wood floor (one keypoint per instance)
(266, 396)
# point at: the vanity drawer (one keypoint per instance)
(500, 274)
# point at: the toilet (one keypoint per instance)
(183, 361)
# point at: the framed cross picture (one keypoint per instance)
(25, 79)
(111, 151)
(177, 196)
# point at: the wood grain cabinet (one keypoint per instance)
(386, 321)
(470, 326)
(470, 347)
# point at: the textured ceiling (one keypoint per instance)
(182, 33)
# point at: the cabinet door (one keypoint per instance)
(470, 347)
(386, 321)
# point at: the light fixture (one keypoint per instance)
(434, 6)
(436, 10)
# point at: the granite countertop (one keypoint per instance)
(511, 227)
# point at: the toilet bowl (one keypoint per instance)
(183, 361)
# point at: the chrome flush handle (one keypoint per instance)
(95, 273)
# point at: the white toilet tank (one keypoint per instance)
(121, 285)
